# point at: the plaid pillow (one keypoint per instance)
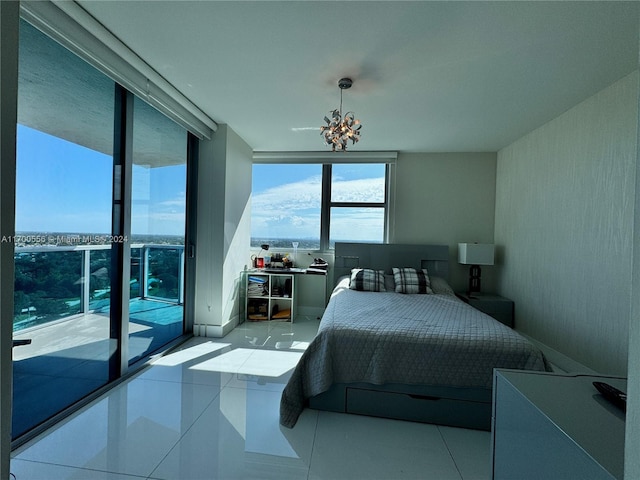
(367, 280)
(410, 280)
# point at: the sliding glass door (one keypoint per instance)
(62, 344)
(65, 327)
(159, 180)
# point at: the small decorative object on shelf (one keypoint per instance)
(260, 262)
(319, 266)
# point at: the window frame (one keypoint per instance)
(327, 204)
(320, 158)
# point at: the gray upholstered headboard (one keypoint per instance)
(385, 256)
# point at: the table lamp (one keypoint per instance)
(475, 254)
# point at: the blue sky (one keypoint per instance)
(64, 187)
(285, 201)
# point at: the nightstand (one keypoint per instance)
(498, 307)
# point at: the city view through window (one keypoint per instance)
(286, 203)
(63, 201)
(77, 324)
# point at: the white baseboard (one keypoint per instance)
(215, 331)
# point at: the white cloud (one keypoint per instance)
(179, 202)
(293, 209)
(357, 224)
(289, 197)
(361, 190)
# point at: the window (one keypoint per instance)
(358, 203)
(70, 275)
(63, 218)
(317, 205)
(158, 212)
(286, 202)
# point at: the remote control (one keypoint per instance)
(611, 393)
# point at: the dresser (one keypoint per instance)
(550, 426)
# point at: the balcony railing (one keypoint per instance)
(77, 279)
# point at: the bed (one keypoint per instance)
(427, 358)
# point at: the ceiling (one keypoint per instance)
(64, 96)
(428, 76)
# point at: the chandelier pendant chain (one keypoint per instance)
(341, 129)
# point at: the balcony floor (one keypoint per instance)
(69, 358)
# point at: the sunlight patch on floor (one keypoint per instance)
(189, 354)
(267, 363)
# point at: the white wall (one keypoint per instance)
(446, 198)
(224, 190)
(632, 432)
(564, 213)
(442, 198)
(237, 221)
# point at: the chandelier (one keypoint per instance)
(338, 130)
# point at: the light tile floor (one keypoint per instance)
(209, 410)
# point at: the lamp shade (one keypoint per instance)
(476, 253)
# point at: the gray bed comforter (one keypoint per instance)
(388, 337)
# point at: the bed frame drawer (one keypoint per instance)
(419, 408)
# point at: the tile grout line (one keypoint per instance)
(150, 475)
(444, 440)
(213, 399)
(79, 469)
(313, 445)
(231, 347)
